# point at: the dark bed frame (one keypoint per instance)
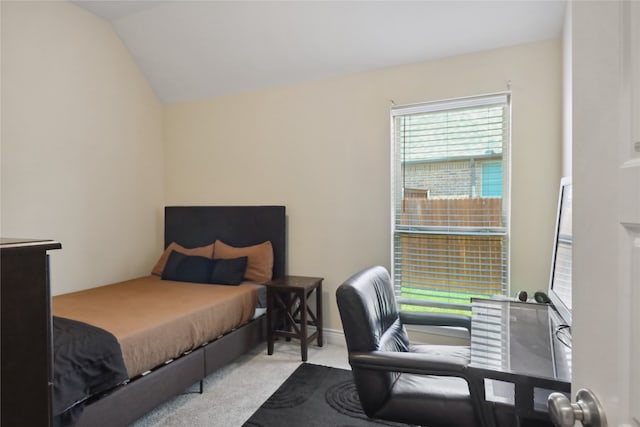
(193, 226)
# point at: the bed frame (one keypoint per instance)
(193, 226)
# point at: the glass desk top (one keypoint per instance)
(520, 339)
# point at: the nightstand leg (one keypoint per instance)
(303, 325)
(319, 313)
(269, 322)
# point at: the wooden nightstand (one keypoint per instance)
(288, 313)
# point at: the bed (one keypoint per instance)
(172, 333)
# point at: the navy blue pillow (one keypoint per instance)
(186, 268)
(229, 271)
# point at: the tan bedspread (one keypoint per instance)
(156, 320)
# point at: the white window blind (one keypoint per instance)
(450, 201)
(562, 263)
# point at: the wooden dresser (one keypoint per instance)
(25, 352)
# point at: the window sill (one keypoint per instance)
(428, 334)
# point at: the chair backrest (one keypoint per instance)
(371, 321)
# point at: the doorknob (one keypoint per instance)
(587, 410)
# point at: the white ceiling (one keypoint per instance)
(191, 50)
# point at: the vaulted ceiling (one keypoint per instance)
(192, 50)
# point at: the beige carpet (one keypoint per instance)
(233, 393)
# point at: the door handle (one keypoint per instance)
(587, 410)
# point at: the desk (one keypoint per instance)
(520, 352)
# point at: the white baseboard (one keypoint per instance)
(334, 336)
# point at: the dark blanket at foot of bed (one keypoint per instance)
(87, 361)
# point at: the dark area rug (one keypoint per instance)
(315, 395)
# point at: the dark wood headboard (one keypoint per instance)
(193, 226)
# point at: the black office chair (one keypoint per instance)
(396, 381)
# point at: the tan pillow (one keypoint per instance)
(259, 262)
(205, 251)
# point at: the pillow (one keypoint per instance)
(205, 251)
(187, 268)
(228, 271)
(259, 259)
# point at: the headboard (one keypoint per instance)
(193, 226)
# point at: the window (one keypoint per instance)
(450, 202)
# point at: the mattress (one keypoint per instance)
(157, 320)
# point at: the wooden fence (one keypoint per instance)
(476, 212)
(452, 263)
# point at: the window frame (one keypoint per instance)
(396, 177)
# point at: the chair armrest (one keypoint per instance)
(436, 319)
(412, 363)
(423, 364)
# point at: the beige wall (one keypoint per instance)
(567, 93)
(322, 149)
(81, 147)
